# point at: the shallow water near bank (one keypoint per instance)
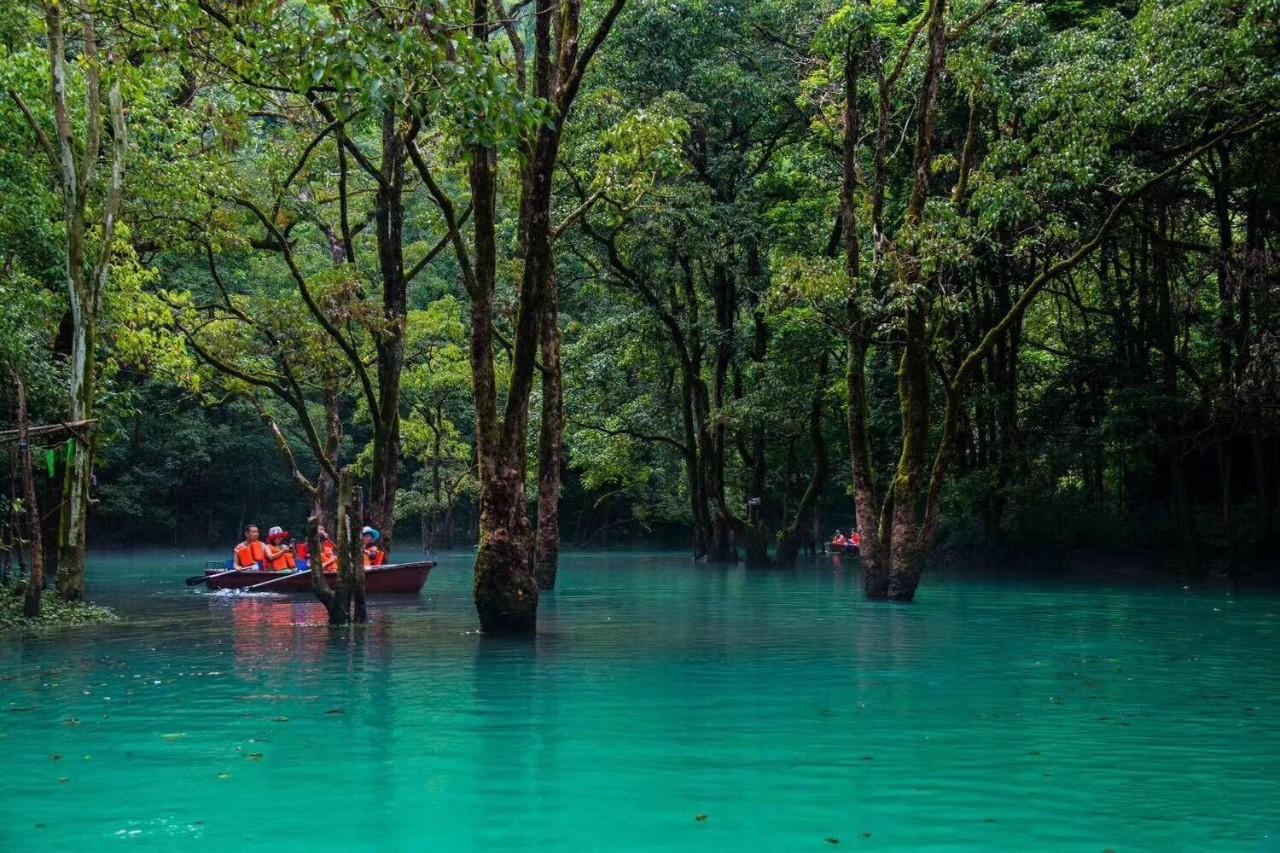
(663, 706)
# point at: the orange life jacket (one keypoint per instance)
(250, 555)
(373, 556)
(278, 558)
(328, 557)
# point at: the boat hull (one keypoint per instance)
(398, 579)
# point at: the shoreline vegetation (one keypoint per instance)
(55, 614)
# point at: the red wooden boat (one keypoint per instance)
(396, 579)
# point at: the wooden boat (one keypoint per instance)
(395, 579)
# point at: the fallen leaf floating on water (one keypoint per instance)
(700, 818)
(280, 719)
(831, 839)
(224, 776)
(174, 736)
(55, 757)
(255, 756)
(73, 721)
(335, 711)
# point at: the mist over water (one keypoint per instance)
(992, 714)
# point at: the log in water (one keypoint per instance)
(663, 705)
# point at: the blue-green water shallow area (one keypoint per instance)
(663, 705)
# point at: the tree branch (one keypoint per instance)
(42, 138)
(436, 249)
(347, 347)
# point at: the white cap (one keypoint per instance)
(273, 531)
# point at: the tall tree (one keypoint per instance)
(75, 158)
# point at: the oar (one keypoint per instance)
(199, 579)
(274, 580)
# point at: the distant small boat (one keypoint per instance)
(396, 579)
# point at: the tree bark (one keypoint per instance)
(35, 577)
(86, 277)
(319, 586)
(389, 343)
(550, 441)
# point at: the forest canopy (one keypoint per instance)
(956, 273)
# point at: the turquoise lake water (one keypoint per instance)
(992, 714)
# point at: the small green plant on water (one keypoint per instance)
(54, 612)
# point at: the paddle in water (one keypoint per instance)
(273, 580)
(198, 579)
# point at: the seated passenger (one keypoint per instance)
(250, 554)
(279, 554)
(373, 555)
(328, 553)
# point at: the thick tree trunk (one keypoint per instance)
(550, 440)
(875, 545)
(35, 577)
(506, 593)
(78, 478)
(86, 277)
(913, 393)
(389, 218)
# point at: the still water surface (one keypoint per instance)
(989, 715)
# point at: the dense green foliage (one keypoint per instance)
(721, 251)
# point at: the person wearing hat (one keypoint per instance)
(373, 555)
(279, 552)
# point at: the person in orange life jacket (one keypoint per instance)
(373, 555)
(328, 553)
(250, 554)
(279, 553)
(838, 539)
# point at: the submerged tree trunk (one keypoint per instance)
(78, 477)
(505, 591)
(319, 586)
(506, 594)
(35, 577)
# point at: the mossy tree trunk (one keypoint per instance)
(505, 590)
(550, 441)
(35, 577)
(75, 164)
